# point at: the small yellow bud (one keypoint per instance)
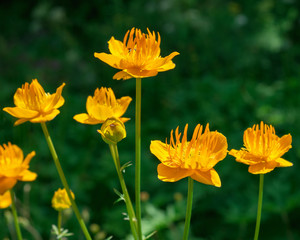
(112, 131)
(61, 200)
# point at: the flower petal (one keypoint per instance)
(160, 150)
(28, 158)
(122, 75)
(86, 119)
(122, 106)
(116, 47)
(111, 60)
(5, 200)
(55, 100)
(27, 176)
(216, 152)
(124, 119)
(168, 174)
(283, 163)
(47, 117)
(140, 73)
(21, 112)
(6, 184)
(262, 168)
(19, 97)
(284, 144)
(244, 157)
(163, 64)
(20, 121)
(210, 177)
(101, 112)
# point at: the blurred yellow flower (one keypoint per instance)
(138, 56)
(263, 149)
(34, 104)
(5, 200)
(195, 158)
(13, 168)
(61, 200)
(103, 105)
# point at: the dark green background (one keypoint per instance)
(238, 65)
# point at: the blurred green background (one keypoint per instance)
(238, 65)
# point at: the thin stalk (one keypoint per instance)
(189, 204)
(59, 217)
(138, 156)
(64, 182)
(14, 212)
(259, 205)
(132, 219)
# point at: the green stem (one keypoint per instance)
(188, 209)
(132, 219)
(59, 217)
(259, 205)
(14, 211)
(138, 156)
(64, 181)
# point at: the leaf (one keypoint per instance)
(128, 164)
(121, 196)
(150, 235)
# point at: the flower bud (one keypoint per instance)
(112, 131)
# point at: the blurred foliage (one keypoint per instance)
(238, 65)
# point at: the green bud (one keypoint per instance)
(112, 131)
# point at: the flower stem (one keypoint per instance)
(14, 212)
(59, 217)
(259, 205)
(132, 219)
(138, 156)
(64, 181)
(188, 209)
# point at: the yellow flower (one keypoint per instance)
(61, 200)
(5, 200)
(103, 105)
(13, 168)
(263, 149)
(138, 56)
(34, 105)
(195, 158)
(112, 131)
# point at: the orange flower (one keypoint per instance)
(13, 168)
(138, 56)
(263, 149)
(195, 158)
(34, 105)
(103, 105)
(61, 200)
(5, 200)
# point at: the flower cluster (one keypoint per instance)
(138, 56)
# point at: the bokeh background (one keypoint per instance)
(238, 65)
